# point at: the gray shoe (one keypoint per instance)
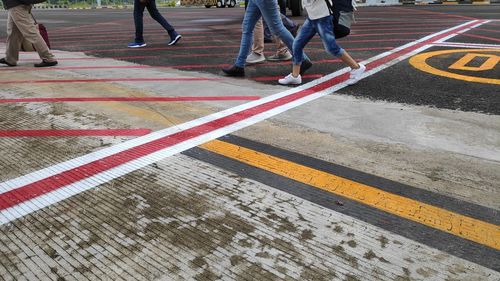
(255, 58)
(280, 57)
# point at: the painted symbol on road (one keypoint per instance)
(472, 65)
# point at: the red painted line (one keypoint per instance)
(155, 31)
(232, 46)
(126, 35)
(481, 37)
(65, 45)
(133, 99)
(33, 190)
(109, 80)
(74, 133)
(192, 66)
(95, 58)
(275, 78)
(201, 55)
(487, 30)
(441, 15)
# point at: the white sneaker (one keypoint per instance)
(290, 80)
(355, 75)
(255, 58)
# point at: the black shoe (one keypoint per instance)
(306, 64)
(46, 63)
(3, 61)
(175, 39)
(234, 71)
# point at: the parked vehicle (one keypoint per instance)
(295, 6)
(220, 3)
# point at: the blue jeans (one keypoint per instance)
(155, 14)
(324, 27)
(269, 10)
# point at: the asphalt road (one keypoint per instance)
(211, 41)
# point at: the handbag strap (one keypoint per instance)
(331, 7)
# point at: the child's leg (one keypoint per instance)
(325, 30)
(305, 35)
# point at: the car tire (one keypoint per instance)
(232, 3)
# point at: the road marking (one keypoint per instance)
(435, 217)
(55, 81)
(134, 99)
(490, 63)
(467, 45)
(420, 62)
(73, 133)
(34, 191)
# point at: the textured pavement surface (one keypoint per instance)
(396, 178)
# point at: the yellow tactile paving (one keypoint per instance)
(438, 218)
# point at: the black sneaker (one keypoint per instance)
(3, 61)
(306, 64)
(46, 63)
(174, 40)
(234, 71)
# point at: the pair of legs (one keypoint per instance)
(324, 27)
(255, 10)
(21, 26)
(257, 54)
(139, 7)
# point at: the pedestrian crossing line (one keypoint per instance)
(456, 224)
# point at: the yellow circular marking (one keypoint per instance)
(420, 62)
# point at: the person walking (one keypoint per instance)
(269, 10)
(319, 20)
(257, 54)
(22, 26)
(139, 6)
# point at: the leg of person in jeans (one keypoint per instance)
(22, 25)
(252, 15)
(270, 12)
(257, 54)
(324, 27)
(155, 14)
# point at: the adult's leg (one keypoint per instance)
(258, 38)
(325, 30)
(14, 40)
(270, 13)
(138, 18)
(155, 14)
(252, 15)
(27, 27)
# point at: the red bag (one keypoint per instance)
(27, 46)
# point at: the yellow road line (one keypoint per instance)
(435, 217)
(420, 62)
